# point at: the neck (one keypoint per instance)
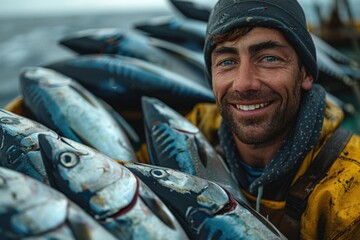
(258, 155)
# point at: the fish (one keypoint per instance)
(333, 53)
(121, 81)
(335, 79)
(63, 105)
(19, 145)
(132, 44)
(187, 32)
(108, 191)
(30, 209)
(192, 9)
(174, 142)
(206, 210)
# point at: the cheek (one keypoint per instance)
(220, 87)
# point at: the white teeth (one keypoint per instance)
(251, 107)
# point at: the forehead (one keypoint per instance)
(255, 36)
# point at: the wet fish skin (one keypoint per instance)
(19, 146)
(333, 53)
(205, 209)
(132, 44)
(63, 105)
(192, 10)
(189, 33)
(107, 191)
(30, 209)
(176, 143)
(123, 80)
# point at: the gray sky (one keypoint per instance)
(26, 8)
(60, 7)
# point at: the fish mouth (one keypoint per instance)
(121, 212)
(46, 145)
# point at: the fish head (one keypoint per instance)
(180, 190)
(156, 112)
(92, 41)
(61, 160)
(84, 175)
(44, 77)
(19, 147)
(19, 127)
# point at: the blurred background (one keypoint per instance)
(30, 30)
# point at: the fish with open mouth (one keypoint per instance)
(30, 209)
(66, 107)
(205, 209)
(107, 191)
(19, 145)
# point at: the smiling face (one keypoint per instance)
(257, 81)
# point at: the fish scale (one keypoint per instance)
(107, 191)
(62, 104)
(30, 209)
(116, 78)
(206, 210)
(19, 145)
(170, 145)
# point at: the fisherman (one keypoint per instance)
(280, 137)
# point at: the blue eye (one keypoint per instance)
(226, 63)
(270, 59)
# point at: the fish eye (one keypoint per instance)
(158, 173)
(69, 159)
(9, 120)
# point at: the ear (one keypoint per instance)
(307, 81)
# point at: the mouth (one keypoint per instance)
(251, 107)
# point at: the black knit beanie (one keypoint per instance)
(284, 15)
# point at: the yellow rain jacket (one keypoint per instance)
(333, 208)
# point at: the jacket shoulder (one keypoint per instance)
(333, 209)
(206, 117)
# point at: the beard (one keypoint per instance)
(261, 129)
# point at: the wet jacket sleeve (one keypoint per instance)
(333, 209)
(207, 118)
(142, 154)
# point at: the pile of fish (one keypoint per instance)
(69, 170)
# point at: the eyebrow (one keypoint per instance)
(265, 45)
(252, 49)
(224, 50)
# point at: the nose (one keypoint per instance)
(246, 78)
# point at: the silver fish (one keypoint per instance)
(132, 44)
(107, 191)
(30, 209)
(123, 80)
(205, 208)
(72, 111)
(176, 143)
(19, 146)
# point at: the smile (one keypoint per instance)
(251, 107)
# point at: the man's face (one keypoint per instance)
(257, 84)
